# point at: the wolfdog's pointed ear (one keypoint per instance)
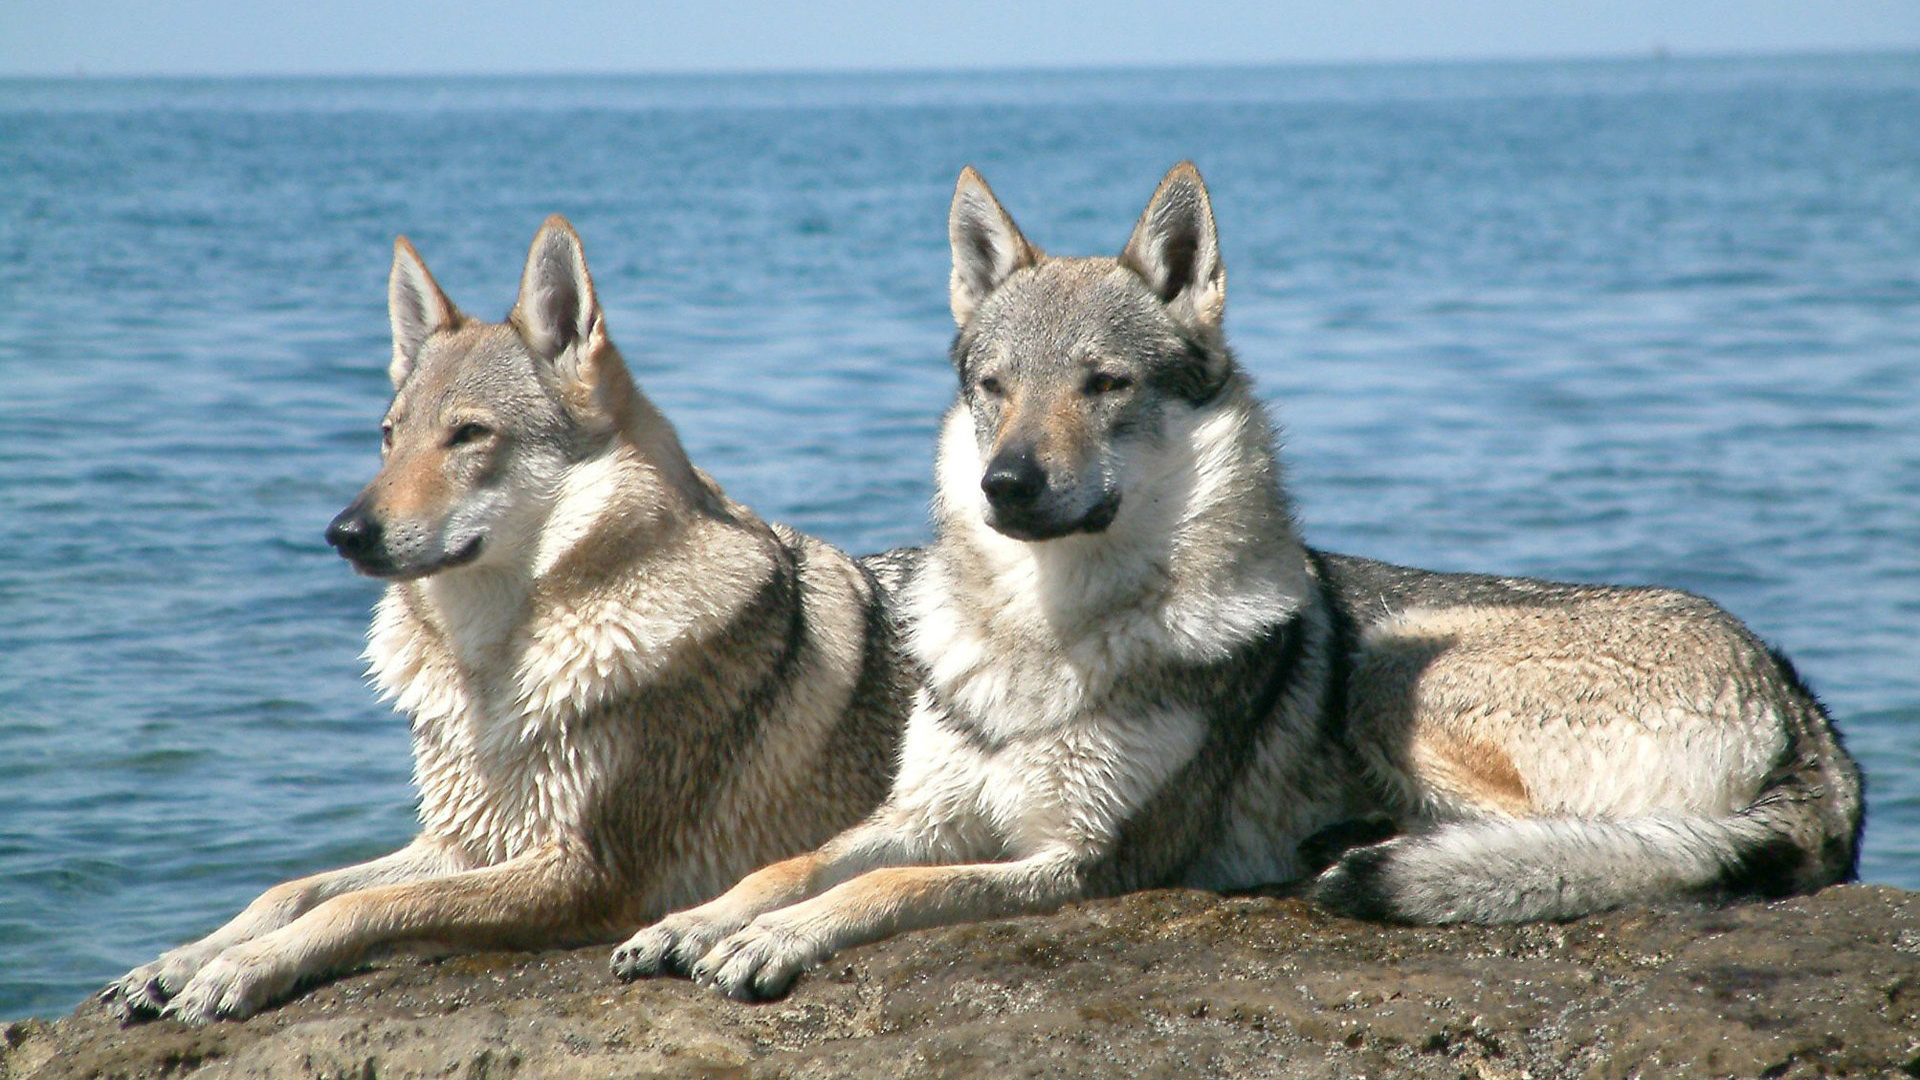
(1176, 248)
(557, 310)
(987, 245)
(416, 307)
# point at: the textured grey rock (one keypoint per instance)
(1159, 984)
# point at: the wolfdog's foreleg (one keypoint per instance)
(762, 960)
(145, 990)
(675, 942)
(525, 901)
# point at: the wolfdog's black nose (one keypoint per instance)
(1013, 478)
(353, 533)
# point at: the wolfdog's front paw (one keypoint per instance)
(233, 987)
(142, 993)
(760, 962)
(670, 946)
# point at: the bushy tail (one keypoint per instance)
(1800, 835)
(1518, 871)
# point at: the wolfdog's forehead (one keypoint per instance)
(1071, 312)
(479, 362)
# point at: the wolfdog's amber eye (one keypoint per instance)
(990, 386)
(467, 433)
(1102, 383)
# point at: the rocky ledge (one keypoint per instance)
(1160, 984)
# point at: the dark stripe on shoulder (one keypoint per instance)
(888, 673)
(1157, 844)
(957, 723)
(781, 590)
(866, 738)
(690, 762)
(1342, 640)
(1292, 642)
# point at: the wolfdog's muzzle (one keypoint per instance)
(1021, 503)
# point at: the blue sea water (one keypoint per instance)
(1638, 321)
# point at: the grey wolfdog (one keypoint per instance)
(1138, 675)
(626, 690)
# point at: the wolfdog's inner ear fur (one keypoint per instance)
(415, 306)
(556, 309)
(987, 246)
(1176, 249)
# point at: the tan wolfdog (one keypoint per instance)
(1138, 675)
(626, 691)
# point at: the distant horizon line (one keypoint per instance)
(1652, 54)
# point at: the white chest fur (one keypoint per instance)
(522, 701)
(498, 774)
(1044, 730)
(1068, 791)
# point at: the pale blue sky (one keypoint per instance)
(225, 37)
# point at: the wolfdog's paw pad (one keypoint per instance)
(759, 963)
